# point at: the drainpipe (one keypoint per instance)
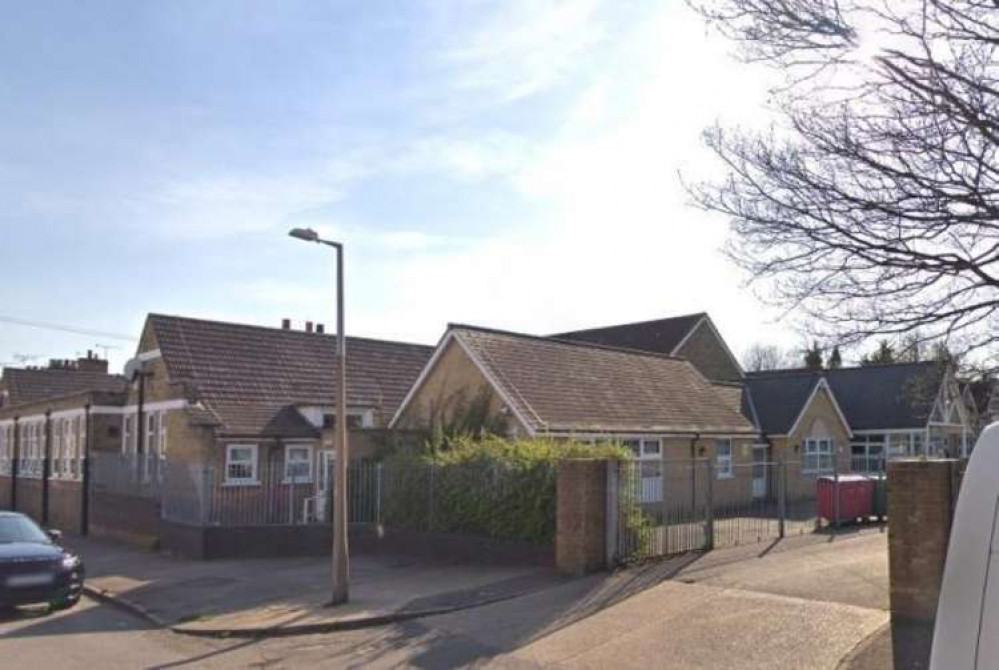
(15, 466)
(46, 467)
(693, 470)
(140, 427)
(85, 474)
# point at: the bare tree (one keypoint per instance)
(760, 357)
(872, 204)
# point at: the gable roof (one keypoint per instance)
(27, 385)
(563, 386)
(871, 397)
(249, 378)
(660, 335)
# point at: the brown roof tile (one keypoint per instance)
(569, 386)
(248, 377)
(25, 385)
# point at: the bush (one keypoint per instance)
(499, 488)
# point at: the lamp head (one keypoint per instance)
(306, 234)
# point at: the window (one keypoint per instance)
(57, 446)
(241, 464)
(128, 434)
(723, 458)
(818, 456)
(161, 436)
(355, 420)
(5, 449)
(298, 463)
(74, 448)
(648, 452)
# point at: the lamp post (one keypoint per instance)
(341, 592)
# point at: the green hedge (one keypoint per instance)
(498, 488)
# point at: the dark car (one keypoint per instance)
(33, 568)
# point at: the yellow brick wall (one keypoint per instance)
(453, 381)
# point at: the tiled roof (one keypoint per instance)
(26, 385)
(249, 378)
(570, 386)
(661, 335)
(871, 397)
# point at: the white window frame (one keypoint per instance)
(254, 477)
(127, 432)
(310, 456)
(647, 458)
(161, 436)
(4, 450)
(817, 452)
(74, 449)
(723, 463)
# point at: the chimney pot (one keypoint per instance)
(320, 328)
(285, 324)
(308, 326)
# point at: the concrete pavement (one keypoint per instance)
(288, 596)
(727, 609)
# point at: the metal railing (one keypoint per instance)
(697, 505)
(487, 499)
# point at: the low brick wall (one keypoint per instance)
(125, 518)
(6, 490)
(316, 540)
(29, 497)
(65, 505)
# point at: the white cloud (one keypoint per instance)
(524, 47)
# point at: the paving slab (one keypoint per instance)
(289, 596)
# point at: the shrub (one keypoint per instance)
(504, 489)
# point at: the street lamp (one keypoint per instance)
(341, 592)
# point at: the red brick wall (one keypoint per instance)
(6, 487)
(920, 507)
(580, 533)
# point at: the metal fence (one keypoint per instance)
(127, 474)
(487, 499)
(671, 507)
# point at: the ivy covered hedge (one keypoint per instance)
(490, 486)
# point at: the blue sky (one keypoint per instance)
(507, 163)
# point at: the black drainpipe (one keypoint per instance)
(15, 466)
(46, 467)
(85, 474)
(140, 437)
(693, 470)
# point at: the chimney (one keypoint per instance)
(91, 364)
(285, 324)
(320, 328)
(308, 326)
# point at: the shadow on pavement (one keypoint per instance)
(78, 620)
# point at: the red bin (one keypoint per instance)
(856, 497)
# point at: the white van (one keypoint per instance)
(967, 625)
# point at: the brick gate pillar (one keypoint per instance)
(581, 529)
(921, 498)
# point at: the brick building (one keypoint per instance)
(50, 419)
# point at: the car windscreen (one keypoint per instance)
(20, 529)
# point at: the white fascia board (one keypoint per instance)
(804, 408)
(424, 373)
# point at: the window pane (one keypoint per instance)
(650, 448)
